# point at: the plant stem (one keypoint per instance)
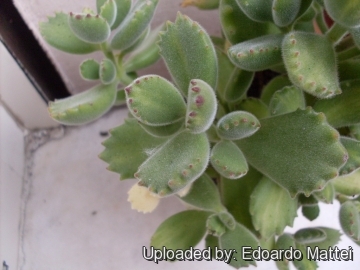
(121, 74)
(350, 53)
(336, 33)
(321, 22)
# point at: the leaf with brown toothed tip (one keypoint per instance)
(287, 99)
(107, 72)
(350, 220)
(128, 147)
(300, 151)
(122, 9)
(201, 106)
(89, 69)
(108, 11)
(186, 165)
(326, 195)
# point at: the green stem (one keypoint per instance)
(350, 53)
(321, 22)
(336, 33)
(121, 73)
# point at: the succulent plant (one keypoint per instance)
(243, 152)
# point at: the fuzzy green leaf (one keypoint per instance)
(228, 160)
(128, 147)
(257, 10)
(212, 242)
(355, 32)
(311, 65)
(311, 212)
(255, 106)
(89, 69)
(286, 100)
(84, 107)
(236, 239)
(332, 238)
(309, 235)
(163, 131)
(304, 264)
(274, 85)
(146, 54)
(238, 84)
(355, 131)
(326, 195)
(186, 165)
(89, 28)
(155, 101)
(215, 226)
(226, 70)
(120, 98)
(257, 54)
(122, 9)
(108, 11)
(107, 72)
(298, 150)
(350, 219)
(353, 148)
(344, 12)
(188, 53)
(181, 231)
(204, 195)
(201, 106)
(58, 34)
(308, 201)
(284, 12)
(349, 184)
(342, 110)
(134, 24)
(272, 208)
(285, 241)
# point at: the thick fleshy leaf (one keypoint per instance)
(238, 84)
(58, 34)
(188, 53)
(355, 32)
(120, 98)
(84, 107)
(288, 99)
(236, 239)
(257, 54)
(237, 125)
(128, 147)
(332, 238)
(201, 4)
(228, 160)
(309, 235)
(134, 24)
(353, 148)
(181, 231)
(225, 71)
(344, 12)
(342, 110)
(254, 106)
(355, 131)
(349, 184)
(155, 101)
(122, 9)
(257, 10)
(107, 72)
(212, 242)
(108, 11)
(163, 131)
(215, 226)
(349, 69)
(235, 24)
(305, 263)
(89, 28)
(201, 106)
(311, 65)
(272, 208)
(298, 150)
(236, 196)
(186, 165)
(350, 219)
(146, 54)
(204, 195)
(89, 69)
(326, 195)
(285, 241)
(284, 12)
(274, 85)
(311, 212)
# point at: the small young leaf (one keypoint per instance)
(309, 235)
(181, 231)
(201, 107)
(108, 11)
(342, 110)
(288, 149)
(107, 72)
(163, 131)
(257, 10)
(326, 195)
(311, 65)
(236, 239)
(144, 35)
(257, 54)
(274, 85)
(122, 9)
(84, 107)
(212, 134)
(288, 99)
(284, 12)
(89, 28)
(188, 53)
(238, 84)
(272, 208)
(332, 238)
(350, 219)
(128, 147)
(187, 164)
(134, 24)
(228, 160)
(345, 12)
(155, 101)
(255, 106)
(349, 184)
(89, 69)
(201, 4)
(311, 212)
(215, 226)
(146, 54)
(204, 195)
(353, 148)
(58, 34)
(237, 125)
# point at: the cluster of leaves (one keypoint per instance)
(294, 145)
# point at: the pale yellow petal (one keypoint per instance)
(142, 199)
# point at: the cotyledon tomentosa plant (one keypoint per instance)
(243, 163)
